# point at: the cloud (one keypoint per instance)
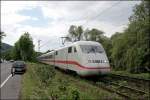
(57, 16)
(10, 9)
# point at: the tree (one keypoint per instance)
(7, 55)
(117, 51)
(16, 51)
(75, 33)
(94, 34)
(24, 48)
(131, 49)
(140, 27)
(2, 34)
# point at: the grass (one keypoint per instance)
(43, 82)
(141, 75)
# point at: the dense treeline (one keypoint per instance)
(128, 50)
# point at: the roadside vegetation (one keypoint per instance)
(43, 82)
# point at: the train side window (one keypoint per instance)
(51, 56)
(69, 49)
(56, 53)
(75, 50)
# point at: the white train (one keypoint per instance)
(86, 58)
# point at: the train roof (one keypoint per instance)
(75, 43)
(79, 43)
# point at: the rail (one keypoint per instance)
(130, 78)
(127, 92)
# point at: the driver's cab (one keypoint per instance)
(93, 54)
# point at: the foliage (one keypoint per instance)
(6, 51)
(59, 86)
(7, 55)
(31, 87)
(75, 33)
(131, 48)
(45, 73)
(24, 48)
(94, 34)
(2, 34)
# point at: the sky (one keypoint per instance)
(49, 20)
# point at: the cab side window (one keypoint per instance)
(56, 53)
(75, 50)
(69, 49)
(51, 56)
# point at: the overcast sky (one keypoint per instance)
(49, 20)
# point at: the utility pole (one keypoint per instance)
(39, 45)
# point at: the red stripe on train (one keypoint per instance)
(76, 63)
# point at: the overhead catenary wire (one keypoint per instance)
(103, 11)
(45, 43)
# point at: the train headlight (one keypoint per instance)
(105, 61)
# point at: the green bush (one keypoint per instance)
(44, 73)
(74, 94)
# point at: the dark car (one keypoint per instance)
(11, 60)
(18, 67)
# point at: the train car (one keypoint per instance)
(86, 58)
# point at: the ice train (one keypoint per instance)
(86, 58)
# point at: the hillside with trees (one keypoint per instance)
(5, 47)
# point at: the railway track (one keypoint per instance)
(105, 87)
(142, 84)
(110, 84)
(130, 78)
(126, 92)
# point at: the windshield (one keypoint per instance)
(19, 63)
(91, 49)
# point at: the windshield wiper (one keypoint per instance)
(100, 51)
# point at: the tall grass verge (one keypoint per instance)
(44, 82)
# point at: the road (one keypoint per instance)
(10, 86)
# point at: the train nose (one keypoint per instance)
(96, 60)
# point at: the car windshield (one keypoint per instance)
(19, 62)
(91, 49)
